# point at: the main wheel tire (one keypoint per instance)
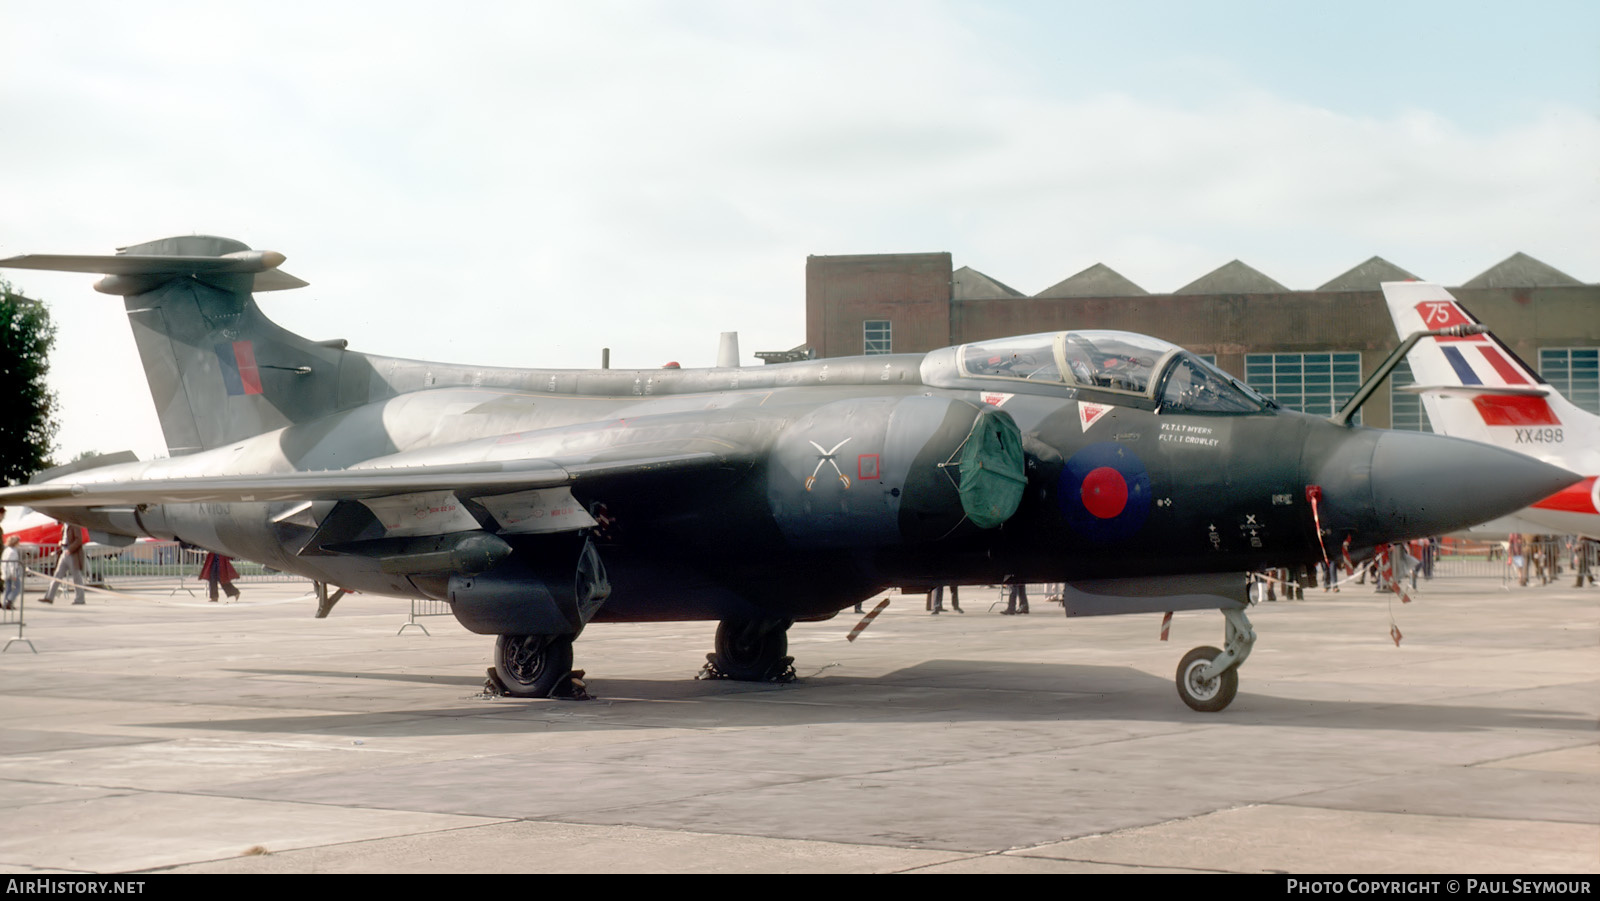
(531, 666)
(1206, 697)
(746, 653)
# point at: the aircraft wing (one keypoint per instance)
(349, 484)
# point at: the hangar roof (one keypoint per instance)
(970, 284)
(1522, 271)
(1368, 276)
(1098, 280)
(1233, 278)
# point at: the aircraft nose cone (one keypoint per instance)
(1427, 484)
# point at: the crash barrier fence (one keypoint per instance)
(1540, 561)
(1537, 562)
(36, 581)
(12, 615)
(153, 565)
(1040, 593)
(425, 607)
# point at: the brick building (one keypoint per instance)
(1307, 349)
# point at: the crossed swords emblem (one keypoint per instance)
(827, 456)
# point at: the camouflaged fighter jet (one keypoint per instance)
(536, 501)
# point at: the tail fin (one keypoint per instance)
(218, 369)
(1475, 387)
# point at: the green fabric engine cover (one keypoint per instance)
(992, 474)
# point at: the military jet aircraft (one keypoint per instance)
(536, 501)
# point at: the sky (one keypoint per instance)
(523, 183)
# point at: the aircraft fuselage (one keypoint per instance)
(1126, 491)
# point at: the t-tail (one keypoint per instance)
(1474, 386)
(218, 369)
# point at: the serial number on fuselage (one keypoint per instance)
(1540, 436)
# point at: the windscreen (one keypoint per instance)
(1193, 386)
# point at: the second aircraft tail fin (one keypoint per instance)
(1474, 386)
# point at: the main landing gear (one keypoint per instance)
(532, 666)
(1208, 678)
(540, 666)
(751, 651)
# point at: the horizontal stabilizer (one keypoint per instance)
(263, 263)
(92, 462)
(275, 280)
(1474, 390)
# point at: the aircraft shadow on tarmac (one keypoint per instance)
(946, 690)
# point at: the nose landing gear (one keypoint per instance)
(1208, 678)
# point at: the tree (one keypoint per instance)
(27, 405)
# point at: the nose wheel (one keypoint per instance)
(1208, 678)
(1200, 693)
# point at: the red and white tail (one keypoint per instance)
(1475, 387)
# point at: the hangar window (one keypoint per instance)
(877, 337)
(1317, 383)
(1575, 372)
(1405, 409)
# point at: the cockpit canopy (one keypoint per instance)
(1112, 361)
